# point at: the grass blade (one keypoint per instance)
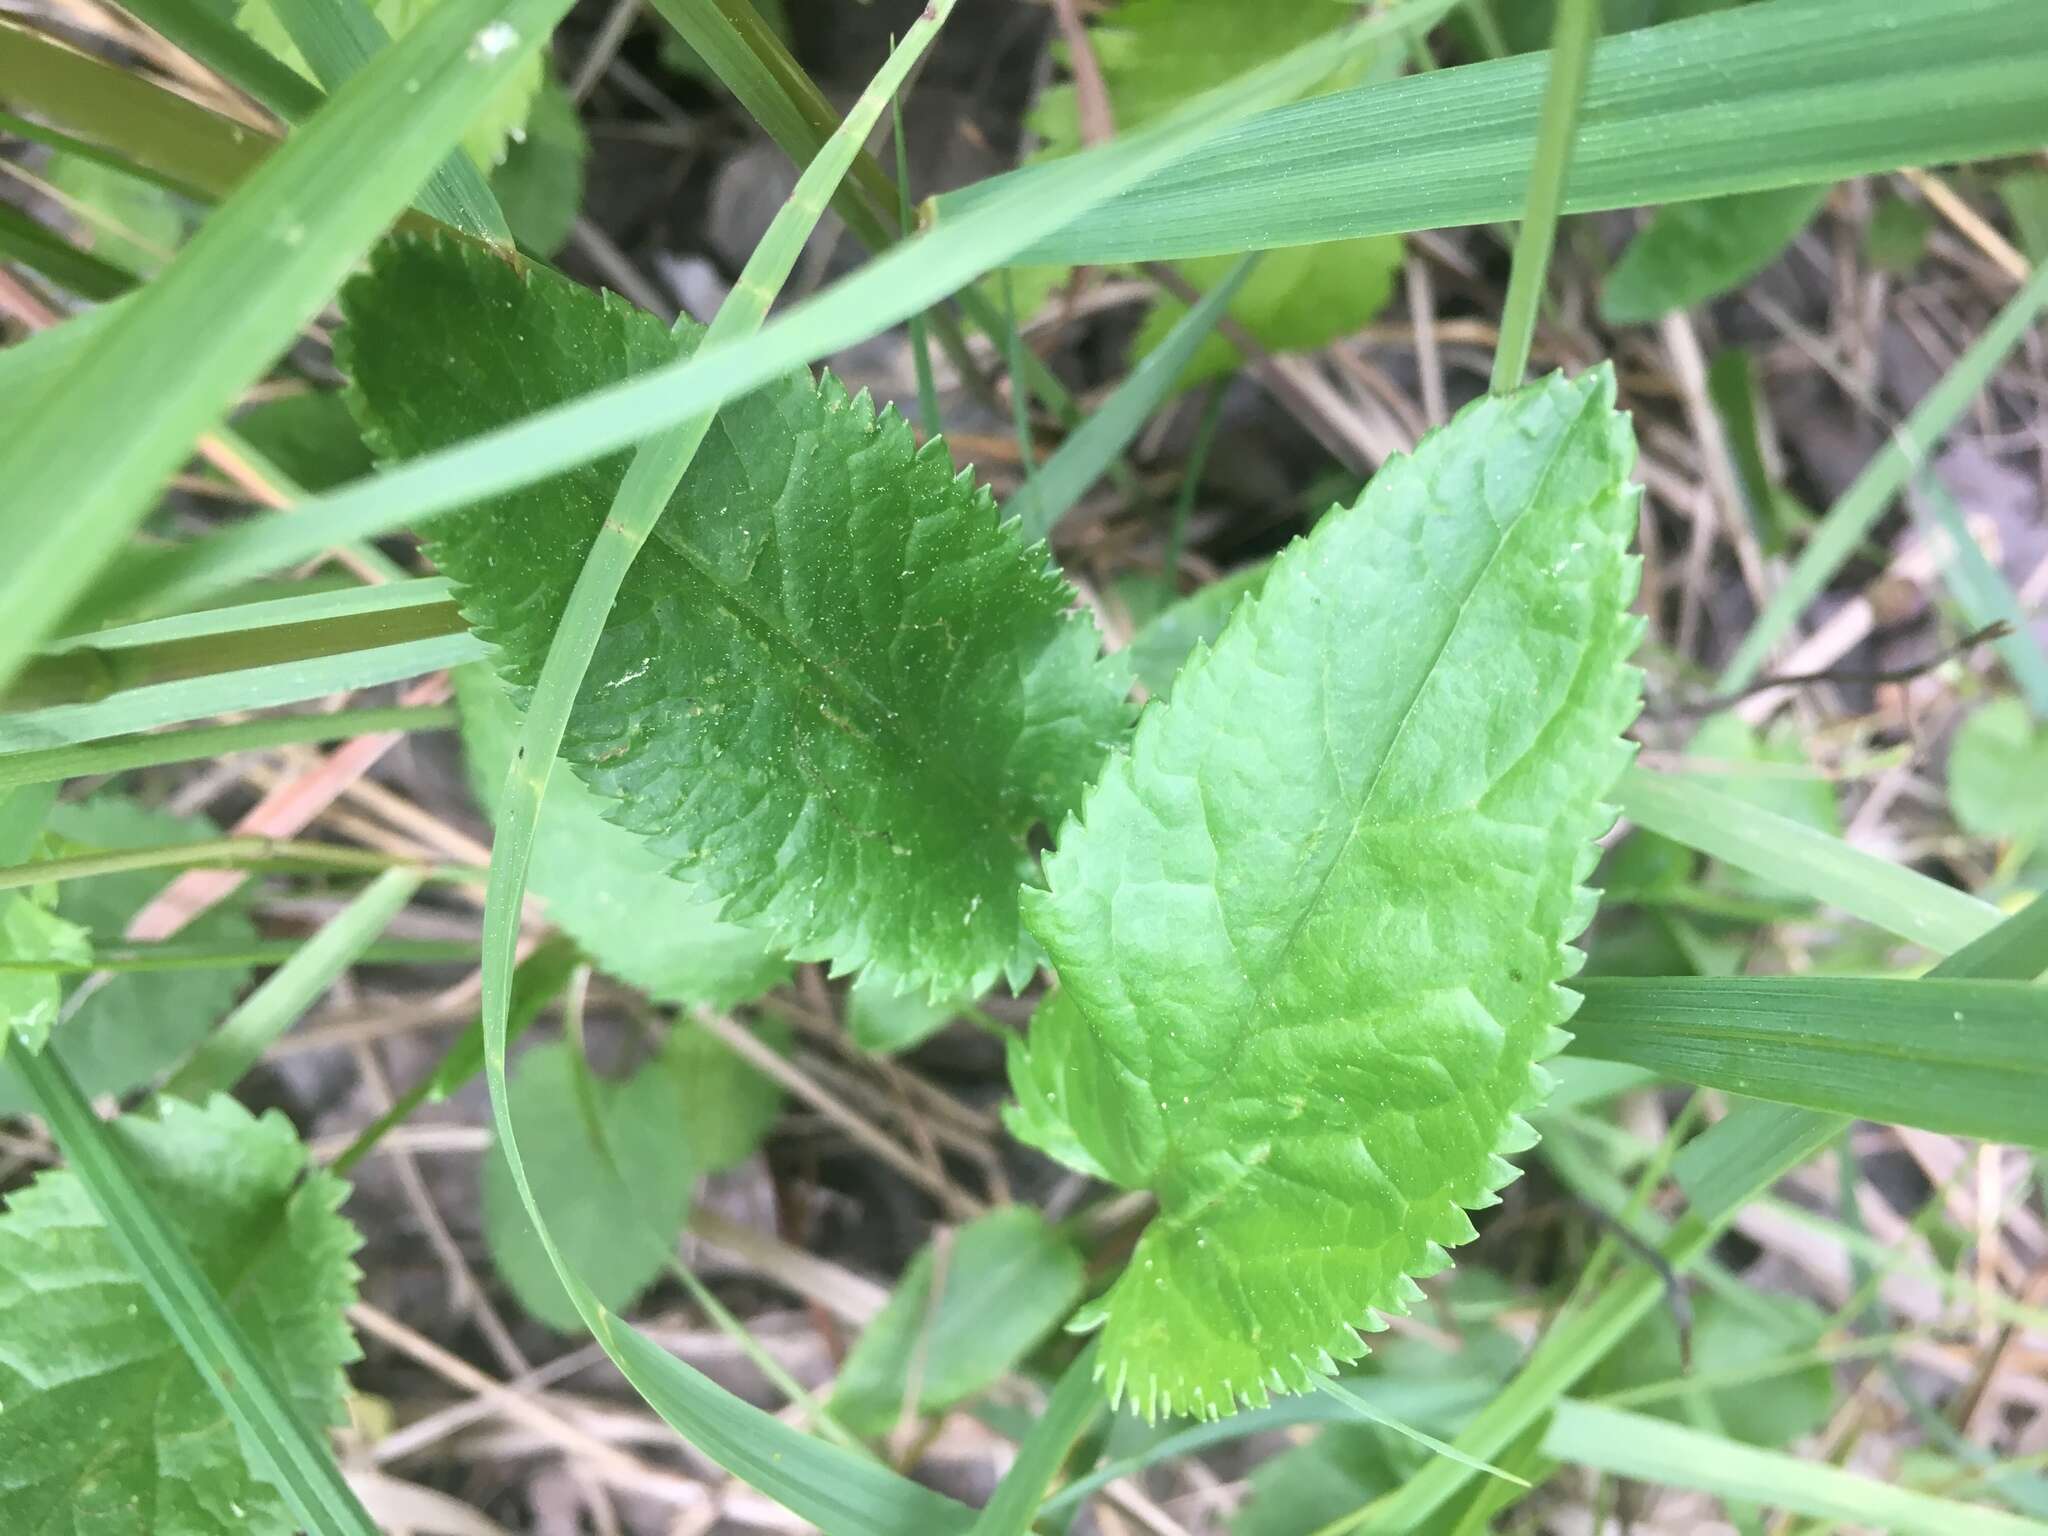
(56, 764)
(1967, 1058)
(1076, 1403)
(1811, 862)
(1577, 23)
(231, 1050)
(1657, 1451)
(1088, 453)
(910, 278)
(219, 313)
(298, 1461)
(211, 37)
(1806, 91)
(1856, 511)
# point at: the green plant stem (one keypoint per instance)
(277, 1440)
(1191, 479)
(122, 755)
(1571, 48)
(222, 853)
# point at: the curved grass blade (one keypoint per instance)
(220, 312)
(1806, 91)
(1967, 1058)
(911, 277)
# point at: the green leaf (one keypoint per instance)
(618, 1231)
(969, 1308)
(133, 1026)
(1995, 772)
(1163, 644)
(1298, 298)
(1692, 252)
(540, 183)
(500, 120)
(821, 606)
(658, 931)
(1895, 239)
(31, 933)
(133, 224)
(886, 1022)
(310, 436)
(108, 1428)
(1310, 930)
(726, 1107)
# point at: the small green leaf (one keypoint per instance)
(656, 931)
(1692, 252)
(310, 436)
(1159, 648)
(1310, 931)
(133, 1026)
(1725, 1338)
(107, 1428)
(886, 1022)
(969, 1308)
(540, 185)
(1895, 240)
(2025, 194)
(726, 1107)
(30, 932)
(833, 687)
(612, 1172)
(1995, 772)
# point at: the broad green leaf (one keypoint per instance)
(540, 183)
(502, 118)
(833, 688)
(726, 1107)
(1310, 931)
(1996, 771)
(601, 886)
(31, 934)
(1692, 252)
(618, 1231)
(310, 436)
(108, 1430)
(133, 1026)
(970, 1307)
(1158, 649)
(1156, 54)
(886, 1022)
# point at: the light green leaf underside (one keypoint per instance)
(833, 686)
(503, 117)
(107, 1430)
(134, 1026)
(1310, 930)
(652, 929)
(32, 934)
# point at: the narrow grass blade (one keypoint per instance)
(266, 613)
(337, 38)
(911, 277)
(1856, 511)
(1428, 1442)
(1088, 453)
(54, 765)
(213, 853)
(1659, 1452)
(1967, 1058)
(197, 150)
(843, 1494)
(272, 1434)
(100, 443)
(1810, 862)
(208, 33)
(182, 955)
(1807, 91)
(1732, 1163)
(1563, 91)
(231, 1050)
(259, 687)
(1076, 1403)
(42, 250)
